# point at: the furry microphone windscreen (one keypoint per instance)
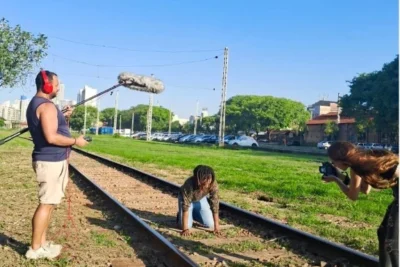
(141, 83)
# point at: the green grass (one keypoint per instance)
(16, 142)
(102, 239)
(293, 181)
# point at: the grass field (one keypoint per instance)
(299, 197)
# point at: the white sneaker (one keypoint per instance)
(41, 253)
(49, 245)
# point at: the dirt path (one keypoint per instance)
(236, 247)
(89, 237)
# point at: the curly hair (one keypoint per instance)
(372, 165)
(202, 173)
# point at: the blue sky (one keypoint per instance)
(295, 49)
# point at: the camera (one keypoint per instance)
(328, 169)
(88, 138)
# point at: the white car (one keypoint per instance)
(243, 141)
(324, 144)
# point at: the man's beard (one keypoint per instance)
(52, 96)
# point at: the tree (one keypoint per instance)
(373, 100)
(2, 122)
(176, 126)
(160, 118)
(209, 124)
(188, 128)
(78, 117)
(331, 129)
(20, 52)
(108, 116)
(258, 113)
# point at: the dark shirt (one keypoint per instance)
(190, 193)
(43, 151)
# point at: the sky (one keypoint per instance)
(301, 50)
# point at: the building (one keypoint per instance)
(60, 95)
(204, 113)
(85, 93)
(316, 128)
(10, 111)
(180, 120)
(191, 119)
(322, 107)
(23, 105)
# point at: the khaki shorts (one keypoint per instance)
(53, 179)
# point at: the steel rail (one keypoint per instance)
(168, 253)
(327, 248)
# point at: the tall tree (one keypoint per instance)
(259, 113)
(160, 118)
(209, 124)
(78, 117)
(20, 52)
(331, 129)
(374, 100)
(176, 127)
(108, 116)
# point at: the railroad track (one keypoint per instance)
(247, 239)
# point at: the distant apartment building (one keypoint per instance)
(60, 95)
(14, 111)
(180, 120)
(23, 105)
(85, 93)
(204, 113)
(322, 107)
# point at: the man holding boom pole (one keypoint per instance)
(52, 145)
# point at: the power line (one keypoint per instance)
(135, 50)
(129, 66)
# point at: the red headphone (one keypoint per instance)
(47, 86)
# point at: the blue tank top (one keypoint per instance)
(43, 151)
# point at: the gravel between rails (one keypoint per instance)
(235, 247)
(88, 236)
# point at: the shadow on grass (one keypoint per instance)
(16, 245)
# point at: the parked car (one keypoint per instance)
(244, 141)
(324, 144)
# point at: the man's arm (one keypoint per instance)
(47, 114)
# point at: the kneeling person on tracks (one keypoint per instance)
(192, 200)
(52, 144)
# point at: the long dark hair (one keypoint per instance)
(201, 174)
(371, 164)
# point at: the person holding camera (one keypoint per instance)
(192, 200)
(371, 168)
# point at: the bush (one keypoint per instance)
(116, 135)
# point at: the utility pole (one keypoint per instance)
(338, 109)
(149, 117)
(195, 117)
(223, 99)
(120, 118)
(133, 121)
(170, 121)
(98, 116)
(84, 121)
(116, 112)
